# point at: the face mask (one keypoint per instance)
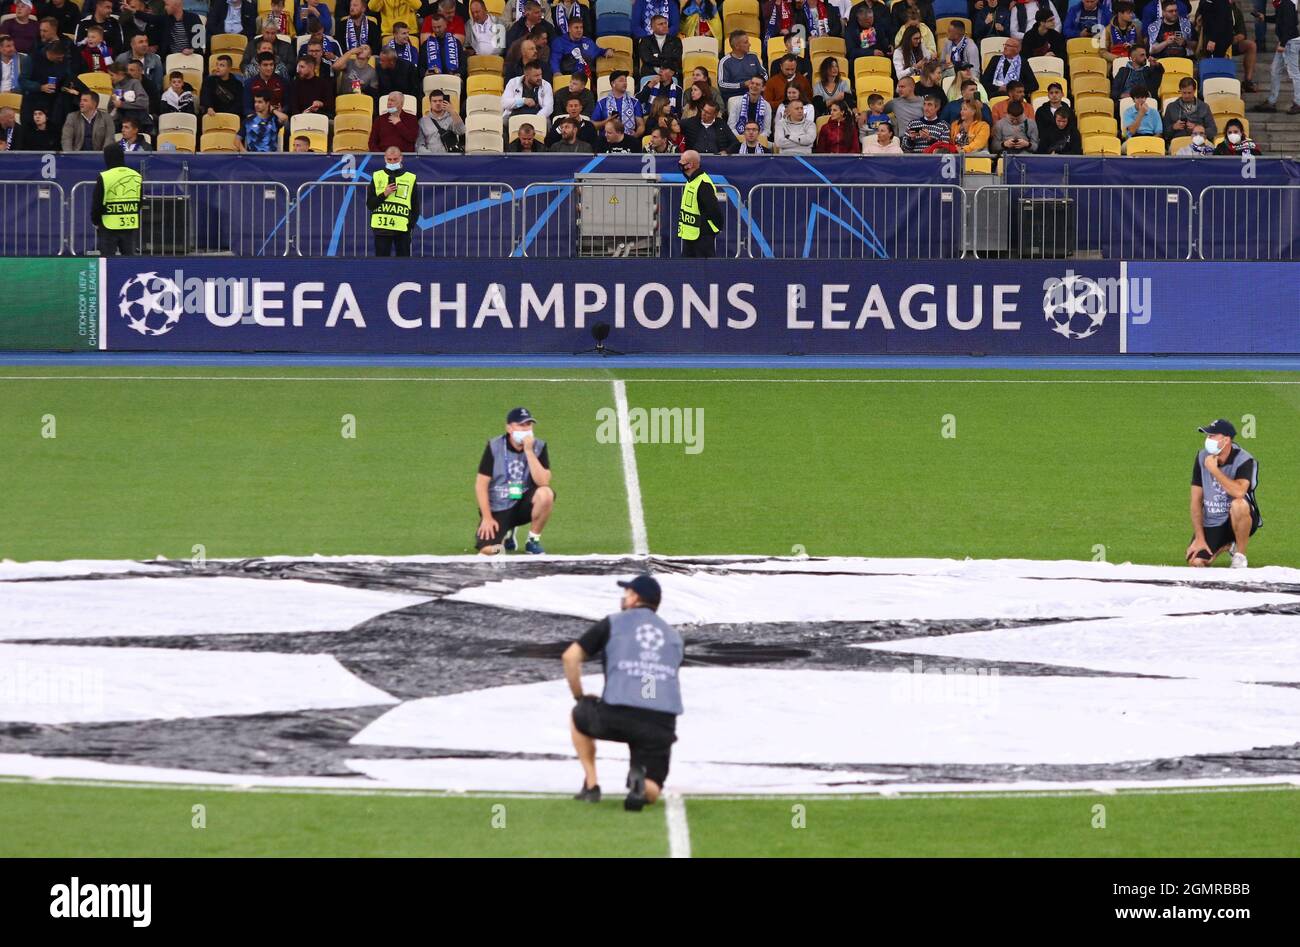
(682, 167)
(1211, 445)
(1234, 137)
(518, 436)
(1198, 139)
(392, 111)
(393, 166)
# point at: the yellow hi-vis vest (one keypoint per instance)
(688, 215)
(395, 212)
(121, 210)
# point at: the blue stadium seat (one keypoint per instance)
(615, 7)
(1217, 68)
(615, 24)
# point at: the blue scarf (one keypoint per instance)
(1008, 71)
(351, 37)
(817, 26)
(407, 52)
(562, 16)
(654, 8)
(445, 56)
(753, 112)
(626, 109)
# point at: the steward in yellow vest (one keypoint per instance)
(115, 207)
(699, 219)
(394, 203)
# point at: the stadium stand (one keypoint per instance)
(1087, 72)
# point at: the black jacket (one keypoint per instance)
(652, 57)
(717, 140)
(1026, 76)
(1285, 24)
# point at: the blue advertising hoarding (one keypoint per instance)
(549, 307)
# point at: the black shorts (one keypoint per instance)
(649, 734)
(1221, 536)
(521, 514)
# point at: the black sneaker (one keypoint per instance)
(1262, 107)
(588, 795)
(635, 800)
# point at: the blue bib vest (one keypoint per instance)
(1214, 501)
(510, 473)
(642, 658)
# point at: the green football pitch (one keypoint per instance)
(135, 463)
(249, 462)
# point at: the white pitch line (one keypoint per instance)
(684, 380)
(679, 832)
(635, 512)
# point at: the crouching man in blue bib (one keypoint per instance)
(642, 699)
(1224, 511)
(513, 487)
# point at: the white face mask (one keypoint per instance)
(518, 436)
(1211, 446)
(1198, 139)
(393, 165)
(391, 110)
(1234, 137)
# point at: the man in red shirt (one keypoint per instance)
(394, 127)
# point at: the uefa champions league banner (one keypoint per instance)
(525, 306)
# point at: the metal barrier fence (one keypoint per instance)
(1249, 223)
(456, 220)
(196, 218)
(32, 220)
(617, 218)
(856, 221)
(1102, 222)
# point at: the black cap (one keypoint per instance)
(1221, 426)
(646, 589)
(519, 416)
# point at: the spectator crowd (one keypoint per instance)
(750, 77)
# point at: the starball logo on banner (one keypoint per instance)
(532, 306)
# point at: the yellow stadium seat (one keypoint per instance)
(1178, 144)
(617, 44)
(484, 85)
(1094, 105)
(493, 65)
(1098, 125)
(99, 82)
(1101, 145)
(352, 122)
(482, 142)
(700, 44)
(218, 141)
(221, 122)
(352, 141)
(1147, 146)
(775, 49)
(1177, 66)
(873, 66)
(354, 102)
(495, 8)
(1081, 46)
(1090, 84)
(978, 165)
(820, 45)
(177, 140)
(1088, 66)
(11, 100)
(875, 84)
(232, 44)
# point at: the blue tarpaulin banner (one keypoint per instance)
(1214, 308)
(549, 307)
